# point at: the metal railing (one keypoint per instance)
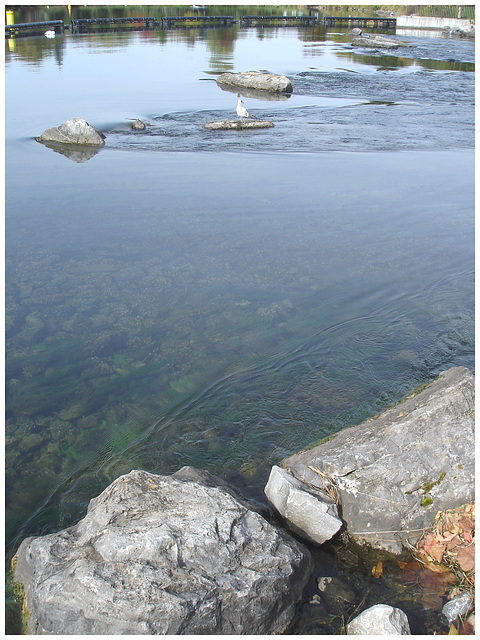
(441, 11)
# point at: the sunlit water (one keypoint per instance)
(223, 299)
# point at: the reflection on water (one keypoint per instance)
(73, 152)
(220, 299)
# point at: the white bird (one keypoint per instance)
(241, 111)
(49, 34)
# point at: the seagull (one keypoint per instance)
(241, 111)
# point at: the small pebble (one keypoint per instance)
(138, 125)
(458, 606)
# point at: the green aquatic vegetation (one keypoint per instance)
(16, 615)
(71, 453)
(182, 385)
(36, 395)
(215, 447)
(420, 388)
(122, 434)
(428, 486)
(426, 501)
(120, 360)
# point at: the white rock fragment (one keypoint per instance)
(380, 620)
(313, 517)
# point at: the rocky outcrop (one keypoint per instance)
(394, 472)
(379, 620)
(238, 124)
(157, 554)
(311, 515)
(256, 80)
(74, 131)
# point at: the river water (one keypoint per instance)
(224, 299)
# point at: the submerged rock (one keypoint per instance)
(394, 472)
(74, 131)
(238, 124)
(163, 555)
(380, 620)
(256, 80)
(335, 591)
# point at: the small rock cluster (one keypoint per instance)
(77, 131)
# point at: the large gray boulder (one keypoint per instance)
(74, 131)
(163, 555)
(380, 620)
(396, 470)
(256, 80)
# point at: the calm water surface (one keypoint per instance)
(223, 299)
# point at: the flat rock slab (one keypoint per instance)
(256, 80)
(395, 471)
(163, 555)
(238, 124)
(74, 131)
(378, 42)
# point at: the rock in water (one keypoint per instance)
(138, 125)
(256, 80)
(74, 131)
(163, 555)
(376, 41)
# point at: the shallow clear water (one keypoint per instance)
(223, 299)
